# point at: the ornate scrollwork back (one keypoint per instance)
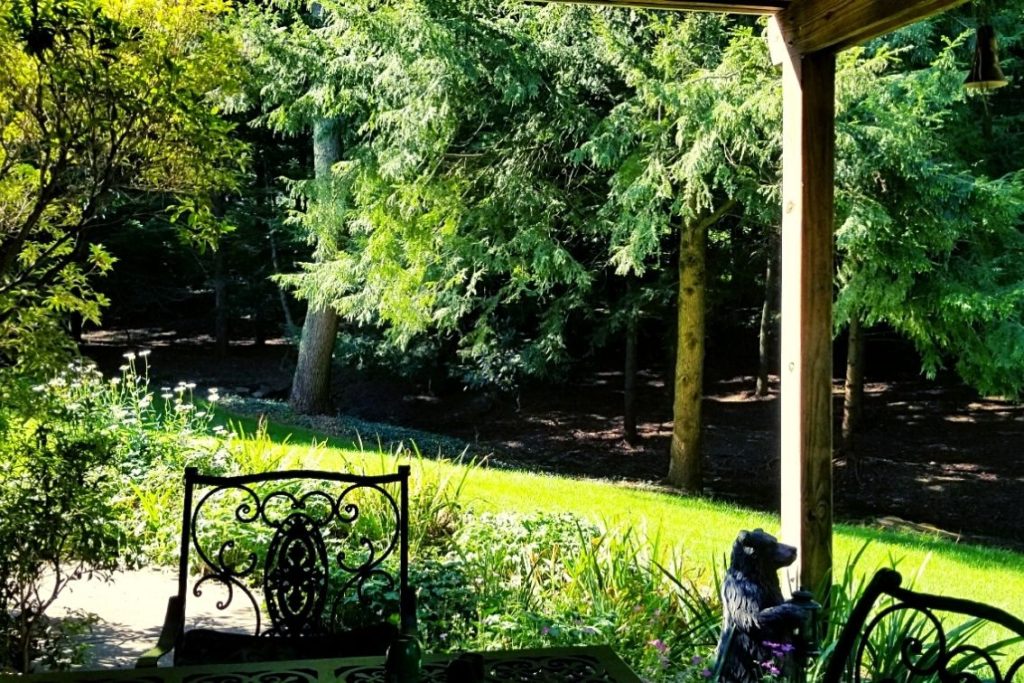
(560, 668)
(895, 635)
(304, 552)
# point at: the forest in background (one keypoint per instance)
(485, 194)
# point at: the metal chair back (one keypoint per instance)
(898, 635)
(296, 554)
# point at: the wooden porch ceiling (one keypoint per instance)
(728, 6)
(811, 25)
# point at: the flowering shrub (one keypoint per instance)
(58, 515)
(76, 464)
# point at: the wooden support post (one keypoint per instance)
(808, 172)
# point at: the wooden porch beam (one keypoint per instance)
(730, 6)
(815, 25)
(808, 174)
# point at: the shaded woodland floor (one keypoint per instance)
(930, 456)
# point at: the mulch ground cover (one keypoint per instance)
(931, 456)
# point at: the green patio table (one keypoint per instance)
(584, 664)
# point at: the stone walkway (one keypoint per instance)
(131, 609)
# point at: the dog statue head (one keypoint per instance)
(760, 549)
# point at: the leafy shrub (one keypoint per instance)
(58, 521)
(555, 579)
(65, 509)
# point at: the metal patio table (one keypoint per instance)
(585, 664)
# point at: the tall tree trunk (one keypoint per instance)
(263, 182)
(685, 468)
(289, 320)
(629, 373)
(220, 286)
(853, 399)
(311, 385)
(220, 302)
(764, 333)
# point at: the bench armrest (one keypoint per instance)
(174, 622)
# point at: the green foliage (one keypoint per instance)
(84, 463)
(696, 131)
(452, 212)
(930, 244)
(902, 633)
(99, 101)
(58, 517)
(534, 580)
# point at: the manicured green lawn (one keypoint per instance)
(696, 531)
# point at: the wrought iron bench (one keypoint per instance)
(312, 564)
(916, 637)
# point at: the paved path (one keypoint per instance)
(131, 609)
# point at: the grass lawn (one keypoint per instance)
(690, 532)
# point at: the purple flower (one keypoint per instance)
(778, 649)
(545, 630)
(659, 645)
(706, 673)
(697, 659)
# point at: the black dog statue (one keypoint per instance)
(758, 625)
